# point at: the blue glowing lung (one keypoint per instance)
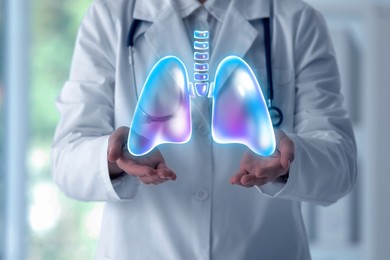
(239, 113)
(162, 114)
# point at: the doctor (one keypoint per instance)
(212, 201)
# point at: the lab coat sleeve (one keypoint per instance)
(86, 106)
(324, 168)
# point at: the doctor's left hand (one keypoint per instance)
(258, 170)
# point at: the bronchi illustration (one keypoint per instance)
(239, 111)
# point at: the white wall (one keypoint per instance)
(358, 226)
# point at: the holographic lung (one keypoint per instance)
(239, 113)
(162, 114)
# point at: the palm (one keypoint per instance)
(150, 168)
(258, 170)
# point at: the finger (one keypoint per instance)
(133, 169)
(235, 179)
(286, 148)
(251, 180)
(268, 169)
(116, 142)
(272, 174)
(261, 168)
(246, 185)
(166, 173)
(151, 180)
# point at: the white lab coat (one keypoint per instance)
(200, 215)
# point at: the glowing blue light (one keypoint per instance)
(201, 34)
(201, 88)
(201, 45)
(201, 66)
(162, 114)
(239, 113)
(201, 56)
(201, 76)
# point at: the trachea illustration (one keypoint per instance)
(239, 111)
(201, 66)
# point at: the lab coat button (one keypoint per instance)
(203, 129)
(201, 194)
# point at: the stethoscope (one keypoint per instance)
(275, 113)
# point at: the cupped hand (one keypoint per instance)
(150, 168)
(258, 170)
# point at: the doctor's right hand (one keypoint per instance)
(150, 168)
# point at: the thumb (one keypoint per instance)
(286, 148)
(115, 143)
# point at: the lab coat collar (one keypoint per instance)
(168, 36)
(149, 10)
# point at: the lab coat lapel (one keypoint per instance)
(235, 38)
(167, 35)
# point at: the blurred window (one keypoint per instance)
(1, 127)
(60, 228)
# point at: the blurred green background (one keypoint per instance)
(59, 228)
